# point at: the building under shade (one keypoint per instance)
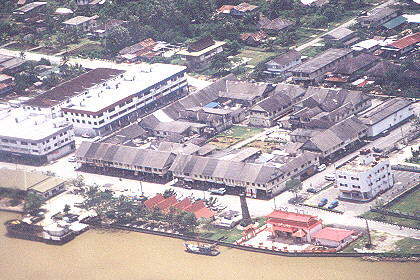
(299, 227)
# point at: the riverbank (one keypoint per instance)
(92, 222)
(117, 255)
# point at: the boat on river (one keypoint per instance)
(202, 249)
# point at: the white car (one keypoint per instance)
(329, 177)
(72, 159)
(322, 167)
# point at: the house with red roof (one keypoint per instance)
(241, 10)
(181, 205)
(200, 210)
(152, 202)
(299, 227)
(403, 45)
(333, 237)
(164, 205)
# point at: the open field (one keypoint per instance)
(255, 55)
(240, 132)
(409, 204)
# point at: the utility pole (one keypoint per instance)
(369, 243)
(141, 188)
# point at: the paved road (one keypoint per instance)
(345, 24)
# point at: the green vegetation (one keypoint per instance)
(255, 56)
(409, 204)
(241, 132)
(226, 235)
(408, 245)
(390, 219)
(313, 51)
(33, 202)
(415, 153)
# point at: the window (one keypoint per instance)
(24, 143)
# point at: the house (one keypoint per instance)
(333, 237)
(364, 177)
(36, 182)
(296, 226)
(395, 22)
(316, 3)
(282, 63)
(81, 23)
(146, 50)
(273, 26)
(6, 88)
(242, 10)
(104, 29)
(253, 39)
(34, 140)
(124, 159)
(341, 37)
(10, 64)
(30, 10)
(403, 45)
(313, 70)
(266, 112)
(199, 54)
(387, 115)
(377, 17)
(321, 108)
(350, 69)
(343, 135)
(89, 2)
(384, 68)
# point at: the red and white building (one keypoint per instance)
(299, 227)
(333, 237)
(403, 45)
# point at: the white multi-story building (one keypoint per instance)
(118, 102)
(102, 99)
(34, 139)
(364, 177)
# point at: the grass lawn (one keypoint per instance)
(240, 132)
(395, 220)
(218, 234)
(256, 56)
(312, 51)
(408, 245)
(409, 204)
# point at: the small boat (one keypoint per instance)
(202, 249)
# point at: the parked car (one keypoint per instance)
(329, 177)
(376, 150)
(333, 204)
(323, 202)
(219, 191)
(311, 190)
(385, 132)
(322, 167)
(72, 159)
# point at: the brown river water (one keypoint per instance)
(119, 255)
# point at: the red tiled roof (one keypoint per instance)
(165, 204)
(204, 213)
(186, 202)
(334, 234)
(225, 8)
(336, 79)
(406, 41)
(257, 36)
(195, 207)
(152, 202)
(278, 214)
(299, 233)
(283, 229)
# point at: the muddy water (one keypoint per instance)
(121, 255)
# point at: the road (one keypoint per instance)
(345, 24)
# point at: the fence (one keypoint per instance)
(307, 253)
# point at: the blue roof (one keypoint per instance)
(212, 105)
(395, 22)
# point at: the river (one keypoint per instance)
(116, 255)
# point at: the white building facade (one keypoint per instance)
(119, 101)
(364, 177)
(34, 140)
